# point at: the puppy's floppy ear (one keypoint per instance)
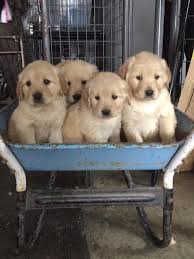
(130, 63)
(124, 85)
(167, 71)
(126, 90)
(94, 70)
(129, 94)
(125, 67)
(85, 96)
(63, 82)
(56, 70)
(123, 70)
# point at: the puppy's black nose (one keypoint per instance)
(37, 97)
(149, 92)
(106, 112)
(76, 97)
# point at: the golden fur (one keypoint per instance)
(85, 121)
(149, 114)
(42, 107)
(73, 75)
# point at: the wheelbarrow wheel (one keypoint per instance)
(167, 221)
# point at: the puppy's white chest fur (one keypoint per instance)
(39, 124)
(48, 121)
(145, 117)
(43, 124)
(99, 130)
(141, 118)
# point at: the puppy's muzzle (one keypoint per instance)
(149, 93)
(76, 97)
(38, 97)
(105, 112)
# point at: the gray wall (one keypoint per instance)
(143, 25)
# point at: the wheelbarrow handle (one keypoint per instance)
(177, 160)
(10, 160)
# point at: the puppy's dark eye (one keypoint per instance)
(114, 97)
(157, 77)
(69, 82)
(139, 78)
(28, 83)
(97, 97)
(84, 82)
(46, 81)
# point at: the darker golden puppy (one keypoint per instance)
(73, 75)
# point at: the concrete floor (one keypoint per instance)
(115, 233)
(61, 236)
(111, 233)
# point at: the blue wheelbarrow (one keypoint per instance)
(22, 159)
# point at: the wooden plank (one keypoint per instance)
(188, 89)
(186, 104)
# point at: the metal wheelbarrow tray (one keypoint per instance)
(22, 159)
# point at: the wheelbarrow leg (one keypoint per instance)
(87, 179)
(130, 183)
(167, 221)
(21, 220)
(167, 215)
(128, 179)
(154, 178)
(169, 172)
(39, 224)
(38, 228)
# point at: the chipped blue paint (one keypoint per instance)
(48, 157)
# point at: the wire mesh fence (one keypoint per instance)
(91, 30)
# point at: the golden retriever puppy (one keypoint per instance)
(73, 75)
(149, 114)
(42, 107)
(97, 117)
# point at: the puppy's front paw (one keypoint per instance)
(134, 139)
(56, 138)
(114, 139)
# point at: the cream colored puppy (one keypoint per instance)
(97, 117)
(73, 75)
(42, 107)
(149, 115)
